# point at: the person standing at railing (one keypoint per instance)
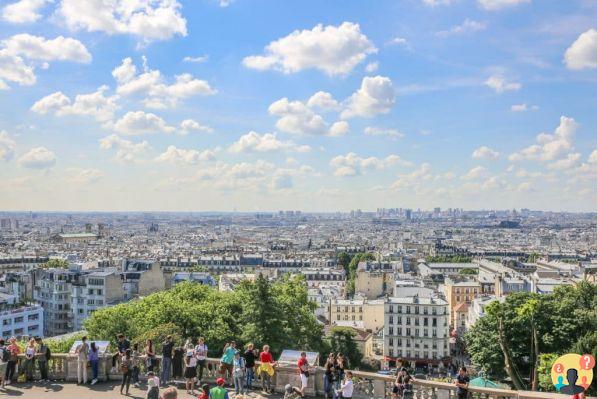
(149, 355)
(238, 373)
(43, 355)
(201, 354)
(403, 385)
(14, 351)
(461, 382)
(328, 376)
(341, 366)
(30, 360)
(227, 360)
(346, 387)
(167, 352)
(250, 366)
(94, 361)
(266, 369)
(303, 369)
(123, 345)
(82, 352)
(190, 371)
(126, 366)
(136, 358)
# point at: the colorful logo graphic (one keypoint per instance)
(572, 374)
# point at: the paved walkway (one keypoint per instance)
(102, 390)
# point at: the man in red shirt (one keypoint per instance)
(303, 366)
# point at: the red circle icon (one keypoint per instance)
(558, 368)
(587, 362)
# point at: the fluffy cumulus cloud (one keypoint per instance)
(582, 54)
(38, 158)
(550, 147)
(84, 176)
(135, 123)
(353, 165)
(485, 152)
(268, 142)
(413, 180)
(147, 19)
(190, 125)
(571, 160)
(500, 84)
(474, 173)
(126, 150)
(7, 146)
(39, 48)
(23, 11)
(467, 26)
(375, 96)
(296, 117)
(493, 5)
(184, 156)
(324, 101)
(393, 134)
(152, 87)
(593, 157)
(14, 69)
(335, 50)
(94, 104)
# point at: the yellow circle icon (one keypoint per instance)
(572, 373)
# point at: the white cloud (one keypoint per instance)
(434, 3)
(138, 122)
(593, 157)
(39, 48)
(550, 146)
(189, 125)
(582, 54)
(353, 165)
(493, 5)
(225, 3)
(414, 179)
(398, 41)
(298, 118)
(324, 101)
(38, 158)
(500, 84)
(335, 50)
(376, 96)
(199, 59)
(523, 107)
(183, 156)
(474, 173)
(126, 150)
(372, 67)
(94, 104)
(23, 11)
(571, 160)
(84, 176)
(147, 19)
(7, 146)
(485, 152)
(14, 69)
(378, 131)
(151, 85)
(466, 26)
(267, 142)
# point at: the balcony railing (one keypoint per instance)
(63, 367)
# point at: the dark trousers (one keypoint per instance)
(114, 358)
(10, 370)
(126, 380)
(43, 369)
(200, 367)
(135, 375)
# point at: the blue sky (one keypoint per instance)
(313, 105)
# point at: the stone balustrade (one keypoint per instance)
(63, 367)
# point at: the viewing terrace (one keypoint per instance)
(63, 376)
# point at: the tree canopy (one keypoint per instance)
(261, 312)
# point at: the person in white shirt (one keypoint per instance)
(82, 352)
(347, 387)
(153, 386)
(190, 371)
(201, 354)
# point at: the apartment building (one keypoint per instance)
(359, 313)
(375, 279)
(21, 321)
(460, 294)
(415, 329)
(325, 276)
(141, 277)
(98, 289)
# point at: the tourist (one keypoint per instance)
(170, 393)
(238, 373)
(461, 382)
(149, 355)
(250, 365)
(303, 369)
(30, 359)
(167, 350)
(123, 344)
(204, 392)
(126, 367)
(328, 375)
(218, 392)
(346, 387)
(227, 360)
(402, 388)
(153, 386)
(14, 351)
(136, 359)
(190, 371)
(178, 362)
(266, 369)
(43, 355)
(201, 354)
(82, 352)
(4, 357)
(94, 361)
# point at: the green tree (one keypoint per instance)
(159, 333)
(344, 259)
(341, 340)
(352, 269)
(467, 272)
(56, 264)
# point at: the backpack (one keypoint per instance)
(5, 355)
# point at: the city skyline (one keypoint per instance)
(260, 105)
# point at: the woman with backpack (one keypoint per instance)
(13, 357)
(126, 366)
